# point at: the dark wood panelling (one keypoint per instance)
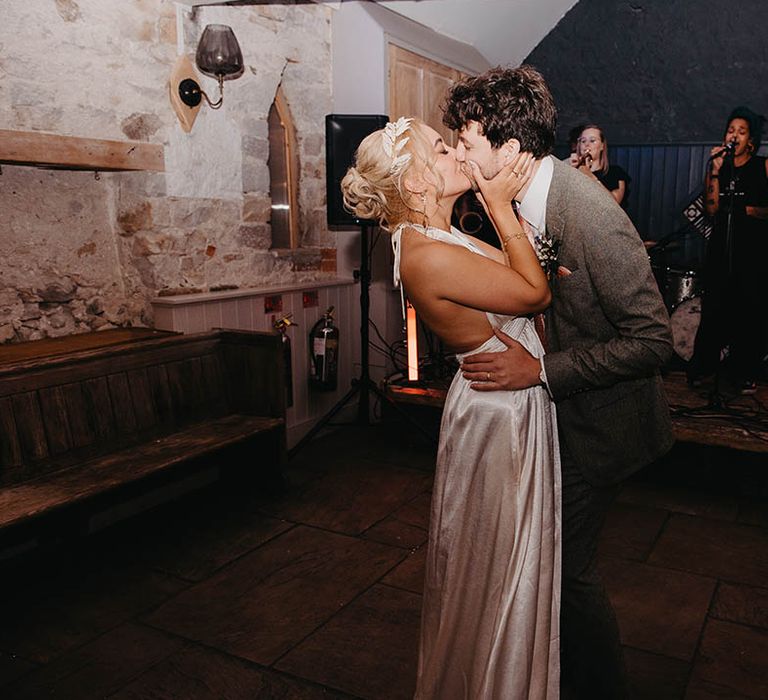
(141, 398)
(122, 405)
(29, 423)
(161, 393)
(99, 411)
(54, 413)
(664, 179)
(108, 422)
(212, 383)
(81, 430)
(10, 449)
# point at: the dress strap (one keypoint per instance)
(454, 236)
(396, 237)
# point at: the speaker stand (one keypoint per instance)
(362, 386)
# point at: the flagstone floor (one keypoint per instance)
(316, 593)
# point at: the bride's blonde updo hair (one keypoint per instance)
(374, 187)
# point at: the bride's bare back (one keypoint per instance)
(452, 287)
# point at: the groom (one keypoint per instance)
(607, 335)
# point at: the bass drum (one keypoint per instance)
(680, 285)
(685, 320)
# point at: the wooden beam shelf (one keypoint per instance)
(75, 153)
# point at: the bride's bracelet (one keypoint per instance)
(516, 236)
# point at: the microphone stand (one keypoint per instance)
(715, 396)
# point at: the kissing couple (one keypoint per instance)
(534, 443)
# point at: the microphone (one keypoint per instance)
(727, 150)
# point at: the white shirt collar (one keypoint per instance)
(533, 207)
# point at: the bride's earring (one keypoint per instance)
(423, 212)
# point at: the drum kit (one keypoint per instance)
(682, 291)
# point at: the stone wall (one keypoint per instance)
(656, 71)
(86, 251)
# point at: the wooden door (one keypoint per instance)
(417, 88)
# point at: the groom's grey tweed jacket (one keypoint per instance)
(608, 334)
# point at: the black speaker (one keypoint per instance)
(343, 134)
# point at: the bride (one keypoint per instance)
(491, 592)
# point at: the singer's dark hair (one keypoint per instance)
(754, 120)
(507, 103)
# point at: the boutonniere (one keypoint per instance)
(547, 249)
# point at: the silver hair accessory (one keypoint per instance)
(391, 145)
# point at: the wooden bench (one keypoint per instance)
(83, 429)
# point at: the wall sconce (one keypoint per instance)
(218, 56)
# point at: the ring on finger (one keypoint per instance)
(489, 377)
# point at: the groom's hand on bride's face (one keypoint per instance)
(515, 368)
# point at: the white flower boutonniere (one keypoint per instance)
(547, 249)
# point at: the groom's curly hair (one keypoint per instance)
(507, 103)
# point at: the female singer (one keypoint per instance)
(592, 160)
(733, 313)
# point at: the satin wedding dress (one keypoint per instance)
(490, 616)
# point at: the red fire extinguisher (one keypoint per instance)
(324, 353)
(281, 325)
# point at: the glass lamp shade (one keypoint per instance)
(218, 53)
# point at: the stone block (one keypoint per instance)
(257, 208)
(255, 176)
(140, 126)
(303, 261)
(68, 10)
(87, 249)
(189, 213)
(257, 148)
(59, 291)
(7, 332)
(313, 144)
(161, 212)
(328, 259)
(167, 30)
(255, 236)
(143, 184)
(228, 212)
(136, 217)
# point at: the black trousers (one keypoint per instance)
(592, 662)
(733, 310)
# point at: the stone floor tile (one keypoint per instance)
(369, 649)
(205, 674)
(98, 668)
(195, 548)
(393, 531)
(630, 531)
(658, 610)
(60, 609)
(729, 551)
(407, 527)
(350, 498)
(747, 605)
(709, 691)
(262, 605)
(732, 662)
(655, 677)
(681, 499)
(409, 575)
(385, 443)
(754, 512)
